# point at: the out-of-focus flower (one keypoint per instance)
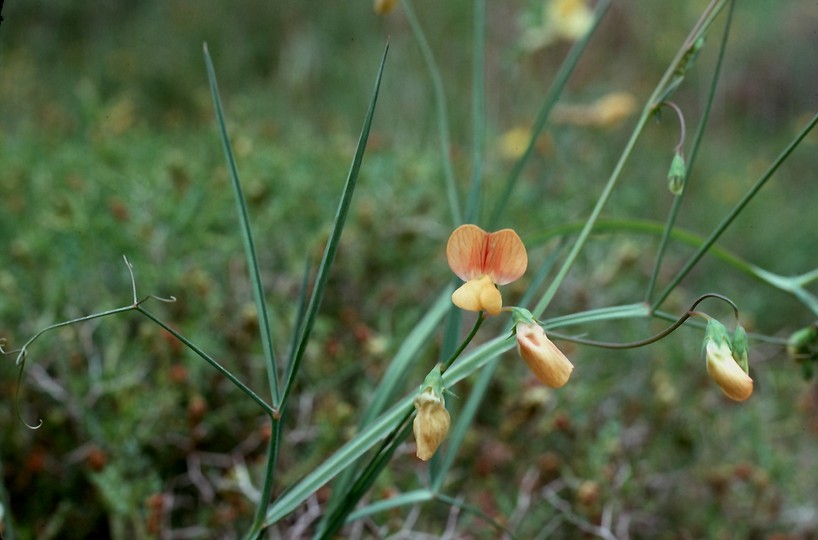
(722, 366)
(561, 19)
(382, 7)
(547, 362)
(513, 143)
(606, 111)
(484, 260)
(432, 420)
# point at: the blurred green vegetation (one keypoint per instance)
(108, 147)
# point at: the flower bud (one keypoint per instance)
(432, 420)
(800, 342)
(722, 367)
(547, 362)
(676, 174)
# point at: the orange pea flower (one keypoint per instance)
(484, 260)
(544, 359)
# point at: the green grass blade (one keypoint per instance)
(414, 342)
(478, 111)
(246, 235)
(465, 417)
(342, 458)
(392, 379)
(551, 98)
(352, 497)
(334, 238)
(404, 499)
(442, 112)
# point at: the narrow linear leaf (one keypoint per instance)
(246, 234)
(334, 238)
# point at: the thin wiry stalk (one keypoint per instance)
(677, 201)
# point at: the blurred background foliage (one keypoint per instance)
(108, 147)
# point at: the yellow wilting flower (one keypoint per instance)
(722, 366)
(547, 362)
(484, 260)
(432, 420)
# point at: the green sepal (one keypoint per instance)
(433, 382)
(741, 348)
(522, 315)
(716, 332)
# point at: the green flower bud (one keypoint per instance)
(798, 344)
(677, 173)
(722, 366)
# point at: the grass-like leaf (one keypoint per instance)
(334, 239)
(246, 234)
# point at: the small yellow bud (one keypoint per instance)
(722, 368)
(547, 362)
(431, 422)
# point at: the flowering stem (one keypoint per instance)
(662, 90)
(680, 146)
(667, 331)
(465, 343)
(694, 149)
(728, 219)
(271, 412)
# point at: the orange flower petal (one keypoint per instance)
(466, 251)
(506, 258)
(544, 358)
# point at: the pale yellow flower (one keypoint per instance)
(562, 19)
(722, 368)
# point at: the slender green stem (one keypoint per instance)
(728, 219)
(659, 92)
(677, 201)
(273, 446)
(477, 324)
(273, 413)
(23, 351)
(442, 112)
(653, 339)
